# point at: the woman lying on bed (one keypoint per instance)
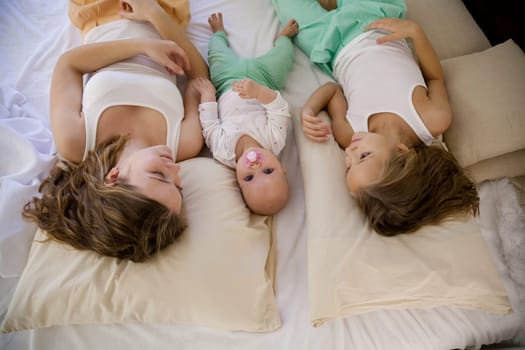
(387, 113)
(116, 189)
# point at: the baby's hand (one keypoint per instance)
(314, 128)
(399, 28)
(168, 54)
(246, 88)
(205, 88)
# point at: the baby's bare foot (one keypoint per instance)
(215, 22)
(290, 29)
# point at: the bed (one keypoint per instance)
(288, 312)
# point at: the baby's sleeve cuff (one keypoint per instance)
(208, 111)
(277, 103)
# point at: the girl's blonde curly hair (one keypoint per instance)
(422, 186)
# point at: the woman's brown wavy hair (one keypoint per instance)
(76, 207)
(421, 186)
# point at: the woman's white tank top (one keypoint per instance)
(136, 82)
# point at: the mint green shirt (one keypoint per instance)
(322, 34)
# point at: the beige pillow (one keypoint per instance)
(449, 26)
(353, 270)
(507, 165)
(216, 275)
(486, 92)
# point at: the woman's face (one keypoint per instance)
(366, 159)
(155, 174)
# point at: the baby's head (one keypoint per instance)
(262, 181)
(401, 189)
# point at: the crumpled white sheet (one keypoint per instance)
(28, 53)
(27, 154)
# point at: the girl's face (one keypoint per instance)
(366, 159)
(155, 174)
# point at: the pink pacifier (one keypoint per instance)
(252, 157)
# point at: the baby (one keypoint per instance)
(254, 117)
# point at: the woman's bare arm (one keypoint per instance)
(168, 28)
(67, 123)
(191, 139)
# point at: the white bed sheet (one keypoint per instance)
(34, 32)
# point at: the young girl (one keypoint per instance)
(116, 188)
(254, 118)
(388, 112)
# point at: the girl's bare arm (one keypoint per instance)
(327, 97)
(433, 107)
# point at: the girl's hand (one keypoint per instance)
(138, 10)
(399, 28)
(168, 54)
(314, 128)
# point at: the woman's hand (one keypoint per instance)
(139, 10)
(168, 28)
(314, 128)
(398, 28)
(168, 54)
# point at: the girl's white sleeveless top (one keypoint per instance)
(380, 78)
